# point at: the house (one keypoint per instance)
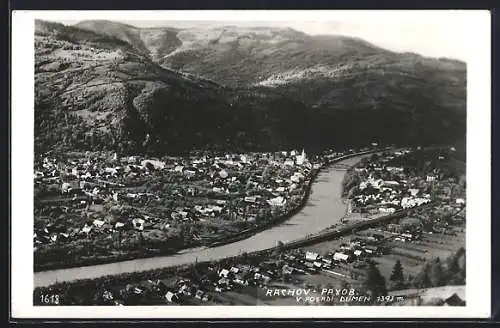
(413, 192)
(278, 201)
(388, 210)
(132, 195)
(371, 249)
(223, 281)
(392, 227)
(340, 257)
(407, 236)
(98, 223)
(460, 201)
(86, 228)
(390, 184)
(241, 282)
(454, 300)
(296, 177)
(156, 164)
(250, 199)
(302, 158)
(310, 266)
(199, 294)
(38, 174)
(287, 269)
(224, 273)
(394, 168)
(190, 173)
(318, 264)
(138, 224)
(185, 290)
(327, 261)
(65, 188)
(348, 247)
(107, 295)
(358, 252)
(171, 297)
(111, 170)
(63, 236)
(311, 256)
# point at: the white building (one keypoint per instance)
(430, 178)
(311, 256)
(302, 158)
(138, 224)
(340, 257)
(277, 201)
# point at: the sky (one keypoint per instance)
(442, 33)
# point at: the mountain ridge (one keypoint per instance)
(234, 89)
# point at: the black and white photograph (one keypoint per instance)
(245, 162)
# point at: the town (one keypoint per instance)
(404, 229)
(98, 207)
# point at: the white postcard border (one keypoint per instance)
(478, 289)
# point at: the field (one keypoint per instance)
(411, 254)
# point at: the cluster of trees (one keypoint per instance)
(426, 160)
(350, 182)
(434, 273)
(374, 283)
(122, 244)
(437, 273)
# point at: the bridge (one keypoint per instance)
(341, 231)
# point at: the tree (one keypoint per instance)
(453, 266)
(375, 282)
(279, 248)
(397, 277)
(436, 273)
(422, 280)
(141, 239)
(455, 272)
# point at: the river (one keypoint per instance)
(324, 208)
